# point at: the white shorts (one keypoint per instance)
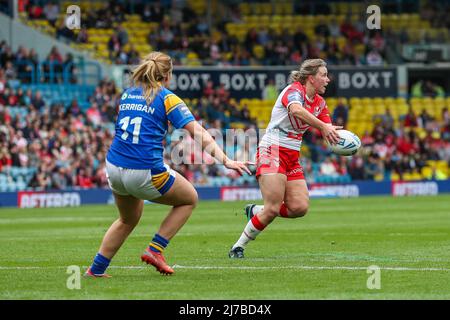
(141, 184)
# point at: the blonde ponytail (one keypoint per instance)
(154, 69)
(309, 67)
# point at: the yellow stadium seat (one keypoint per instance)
(266, 8)
(192, 55)
(427, 172)
(258, 51)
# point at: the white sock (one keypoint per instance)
(250, 233)
(257, 209)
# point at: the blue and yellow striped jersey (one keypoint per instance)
(141, 128)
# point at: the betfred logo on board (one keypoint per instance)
(415, 188)
(48, 199)
(237, 193)
(342, 191)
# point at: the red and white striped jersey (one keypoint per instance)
(286, 130)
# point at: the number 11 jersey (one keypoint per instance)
(141, 128)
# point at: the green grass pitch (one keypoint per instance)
(324, 255)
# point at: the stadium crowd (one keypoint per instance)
(67, 144)
(181, 31)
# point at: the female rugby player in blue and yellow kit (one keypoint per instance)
(135, 166)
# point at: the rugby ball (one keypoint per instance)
(348, 144)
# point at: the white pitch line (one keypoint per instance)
(311, 268)
(242, 268)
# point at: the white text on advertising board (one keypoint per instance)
(415, 189)
(48, 200)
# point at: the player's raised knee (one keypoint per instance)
(190, 198)
(298, 210)
(194, 199)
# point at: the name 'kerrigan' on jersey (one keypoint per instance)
(136, 107)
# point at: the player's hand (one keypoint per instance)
(239, 166)
(329, 133)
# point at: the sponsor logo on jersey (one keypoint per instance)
(139, 97)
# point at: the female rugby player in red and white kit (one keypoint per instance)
(279, 173)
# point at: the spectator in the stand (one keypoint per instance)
(64, 33)
(5, 159)
(426, 89)
(108, 113)
(208, 90)
(122, 35)
(166, 36)
(68, 69)
(222, 93)
(93, 115)
(445, 115)
(35, 11)
(133, 55)
(424, 118)
(113, 46)
(340, 113)
(405, 144)
(40, 181)
(6, 56)
(74, 109)
(99, 179)
(374, 58)
(53, 66)
(21, 101)
(51, 12)
(23, 64)
(334, 28)
(118, 13)
(10, 71)
(157, 12)
(416, 89)
(431, 89)
(10, 97)
(28, 98)
(176, 13)
(59, 179)
(83, 36)
(410, 119)
(213, 109)
(245, 114)
(84, 178)
(2, 81)
(327, 168)
(37, 101)
(121, 57)
(270, 91)
(387, 120)
(373, 168)
(146, 14)
(322, 29)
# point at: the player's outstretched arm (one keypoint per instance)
(198, 133)
(329, 131)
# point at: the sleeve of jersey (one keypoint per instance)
(177, 112)
(325, 115)
(291, 96)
